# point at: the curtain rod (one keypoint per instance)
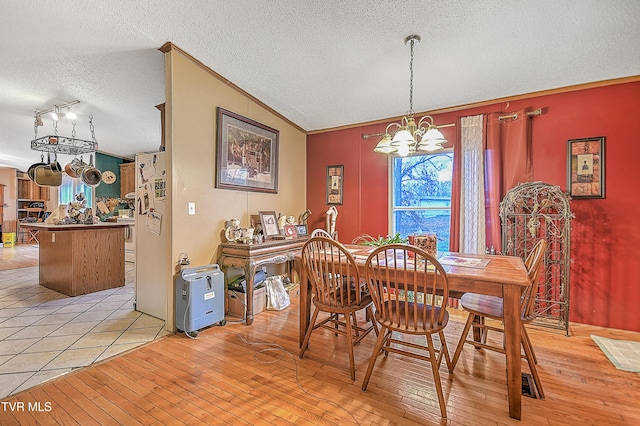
(529, 114)
(371, 135)
(502, 117)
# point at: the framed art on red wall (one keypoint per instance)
(334, 184)
(585, 167)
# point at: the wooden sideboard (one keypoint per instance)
(249, 257)
(80, 259)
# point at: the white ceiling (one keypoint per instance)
(321, 64)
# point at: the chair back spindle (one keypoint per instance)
(409, 289)
(408, 286)
(336, 290)
(330, 267)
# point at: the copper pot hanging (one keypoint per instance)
(74, 168)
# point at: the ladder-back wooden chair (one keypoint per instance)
(336, 289)
(481, 306)
(410, 290)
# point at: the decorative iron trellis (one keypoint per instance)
(532, 211)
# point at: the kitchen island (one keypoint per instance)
(80, 259)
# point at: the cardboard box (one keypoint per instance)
(236, 301)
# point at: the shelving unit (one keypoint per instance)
(28, 194)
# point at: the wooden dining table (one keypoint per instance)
(494, 275)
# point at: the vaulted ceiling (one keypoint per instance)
(320, 64)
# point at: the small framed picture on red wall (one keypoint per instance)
(335, 184)
(585, 167)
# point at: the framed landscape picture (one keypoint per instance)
(585, 167)
(246, 154)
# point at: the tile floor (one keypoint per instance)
(44, 334)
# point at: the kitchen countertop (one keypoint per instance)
(74, 226)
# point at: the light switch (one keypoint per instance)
(192, 208)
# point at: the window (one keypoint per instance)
(421, 195)
(70, 187)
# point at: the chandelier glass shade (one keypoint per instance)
(410, 137)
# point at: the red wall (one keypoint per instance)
(605, 241)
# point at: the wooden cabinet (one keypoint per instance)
(80, 259)
(127, 178)
(30, 198)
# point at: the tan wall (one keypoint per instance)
(193, 94)
(8, 178)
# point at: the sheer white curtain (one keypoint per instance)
(70, 187)
(472, 214)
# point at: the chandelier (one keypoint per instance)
(410, 137)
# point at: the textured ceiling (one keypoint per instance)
(321, 64)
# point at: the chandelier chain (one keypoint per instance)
(411, 135)
(411, 80)
(93, 135)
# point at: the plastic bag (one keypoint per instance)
(277, 296)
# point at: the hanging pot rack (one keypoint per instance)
(64, 145)
(58, 144)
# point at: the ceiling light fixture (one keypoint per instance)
(71, 115)
(409, 136)
(56, 112)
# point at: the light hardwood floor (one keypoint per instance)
(239, 374)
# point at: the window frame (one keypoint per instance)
(391, 191)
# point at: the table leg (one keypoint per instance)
(249, 275)
(305, 304)
(511, 294)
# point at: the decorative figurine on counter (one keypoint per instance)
(247, 235)
(302, 220)
(77, 211)
(233, 232)
(282, 220)
(332, 217)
